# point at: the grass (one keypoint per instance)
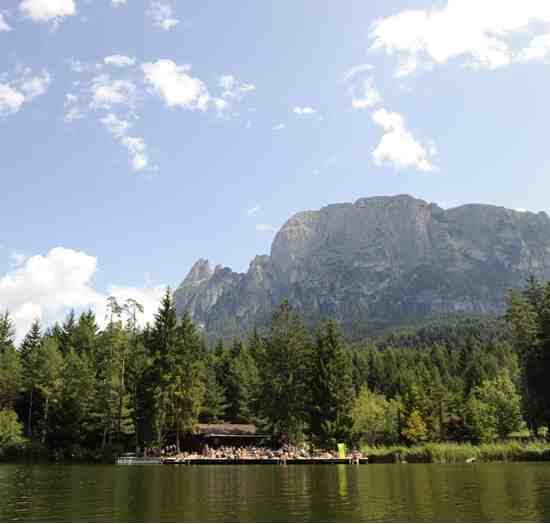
(453, 453)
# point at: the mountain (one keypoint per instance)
(379, 261)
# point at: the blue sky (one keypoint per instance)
(138, 136)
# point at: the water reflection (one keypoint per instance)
(411, 492)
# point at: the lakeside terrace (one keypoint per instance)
(239, 444)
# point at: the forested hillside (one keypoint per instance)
(77, 391)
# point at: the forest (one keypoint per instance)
(75, 391)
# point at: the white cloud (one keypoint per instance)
(46, 287)
(107, 92)
(398, 148)
(34, 86)
(49, 286)
(233, 89)
(480, 31)
(538, 49)
(368, 95)
(136, 146)
(350, 74)
(47, 10)
(279, 127)
(175, 86)
(253, 211)
(21, 89)
(162, 15)
(117, 3)
(304, 110)
(11, 100)
(266, 228)
(521, 210)
(73, 111)
(4, 26)
(119, 60)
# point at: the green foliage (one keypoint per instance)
(284, 372)
(375, 418)
(10, 377)
(11, 430)
(332, 391)
(493, 409)
(414, 429)
(78, 386)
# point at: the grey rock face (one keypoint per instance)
(381, 260)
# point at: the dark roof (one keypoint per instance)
(226, 429)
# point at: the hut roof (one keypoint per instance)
(226, 429)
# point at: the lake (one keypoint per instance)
(379, 492)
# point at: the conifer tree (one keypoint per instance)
(284, 371)
(30, 360)
(164, 344)
(332, 391)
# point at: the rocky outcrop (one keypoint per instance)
(378, 260)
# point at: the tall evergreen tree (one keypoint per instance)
(332, 391)
(163, 347)
(284, 371)
(30, 360)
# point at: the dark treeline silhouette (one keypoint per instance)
(77, 391)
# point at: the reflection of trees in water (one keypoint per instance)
(408, 492)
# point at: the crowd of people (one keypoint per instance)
(286, 452)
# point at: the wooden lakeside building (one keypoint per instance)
(218, 435)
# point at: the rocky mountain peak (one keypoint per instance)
(382, 259)
(200, 272)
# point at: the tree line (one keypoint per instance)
(75, 390)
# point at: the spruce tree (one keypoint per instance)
(284, 371)
(332, 391)
(30, 360)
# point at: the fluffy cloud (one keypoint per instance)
(163, 16)
(4, 26)
(23, 88)
(304, 110)
(117, 3)
(175, 86)
(233, 89)
(48, 286)
(363, 92)
(47, 10)
(34, 86)
(11, 100)
(479, 31)
(119, 60)
(107, 92)
(366, 96)
(538, 49)
(136, 146)
(398, 148)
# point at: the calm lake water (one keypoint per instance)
(407, 492)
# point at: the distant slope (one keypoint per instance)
(378, 262)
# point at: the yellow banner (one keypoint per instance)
(342, 451)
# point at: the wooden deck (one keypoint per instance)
(254, 461)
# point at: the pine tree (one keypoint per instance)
(7, 332)
(331, 387)
(163, 346)
(284, 371)
(30, 360)
(186, 387)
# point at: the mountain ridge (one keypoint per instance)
(380, 259)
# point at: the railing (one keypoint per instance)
(137, 461)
